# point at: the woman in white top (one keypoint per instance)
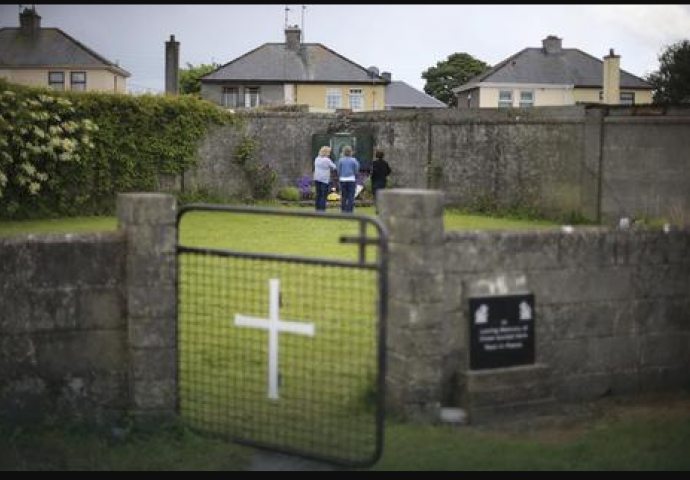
(323, 165)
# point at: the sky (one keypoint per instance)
(402, 39)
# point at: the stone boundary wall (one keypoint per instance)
(611, 308)
(87, 322)
(559, 162)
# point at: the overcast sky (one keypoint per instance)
(402, 39)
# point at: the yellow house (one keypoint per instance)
(296, 73)
(554, 76)
(48, 57)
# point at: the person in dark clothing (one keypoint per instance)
(380, 173)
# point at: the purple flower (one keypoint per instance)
(304, 186)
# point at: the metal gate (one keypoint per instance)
(285, 352)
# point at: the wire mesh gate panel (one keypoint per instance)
(278, 351)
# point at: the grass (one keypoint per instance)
(255, 228)
(74, 448)
(60, 225)
(652, 434)
(650, 445)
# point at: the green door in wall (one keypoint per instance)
(362, 144)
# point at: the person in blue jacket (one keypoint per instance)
(348, 169)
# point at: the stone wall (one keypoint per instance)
(63, 329)
(646, 168)
(611, 311)
(87, 322)
(559, 162)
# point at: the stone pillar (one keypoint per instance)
(414, 219)
(149, 221)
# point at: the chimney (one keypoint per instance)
(387, 76)
(172, 66)
(612, 79)
(552, 44)
(293, 38)
(29, 21)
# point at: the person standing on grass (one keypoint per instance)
(323, 165)
(379, 173)
(348, 169)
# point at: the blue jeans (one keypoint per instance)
(347, 194)
(321, 196)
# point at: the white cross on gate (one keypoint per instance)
(275, 326)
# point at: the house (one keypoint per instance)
(554, 76)
(48, 57)
(402, 96)
(295, 73)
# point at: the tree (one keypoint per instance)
(190, 77)
(672, 81)
(451, 73)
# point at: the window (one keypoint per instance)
(56, 80)
(356, 99)
(334, 98)
(628, 98)
(231, 97)
(78, 81)
(251, 97)
(526, 99)
(505, 99)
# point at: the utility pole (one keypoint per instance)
(287, 11)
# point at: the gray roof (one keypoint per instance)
(275, 62)
(49, 47)
(568, 67)
(402, 95)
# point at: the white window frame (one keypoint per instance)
(226, 95)
(631, 95)
(505, 103)
(334, 98)
(81, 85)
(356, 97)
(248, 97)
(59, 86)
(527, 103)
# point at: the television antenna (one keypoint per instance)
(304, 11)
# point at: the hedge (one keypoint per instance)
(66, 153)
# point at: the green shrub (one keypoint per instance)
(262, 177)
(67, 153)
(290, 194)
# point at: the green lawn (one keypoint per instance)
(61, 225)
(257, 229)
(651, 442)
(653, 438)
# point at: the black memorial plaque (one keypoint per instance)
(502, 331)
